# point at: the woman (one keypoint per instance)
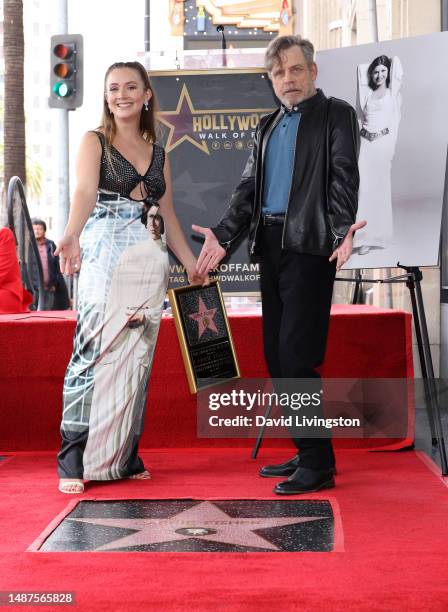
(123, 181)
(379, 104)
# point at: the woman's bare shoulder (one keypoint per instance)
(92, 139)
(90, 146)
(96, 134)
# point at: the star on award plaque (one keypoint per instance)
(204, 335)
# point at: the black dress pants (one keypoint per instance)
(70, 457)
(296, 291)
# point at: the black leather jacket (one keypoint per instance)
(323, 199)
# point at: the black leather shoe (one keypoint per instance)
(305, 480)
(285, 469)
(282, 469)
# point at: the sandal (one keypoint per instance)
(65, 486)
(142, 476)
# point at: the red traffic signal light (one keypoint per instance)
(66, 74)
(63, 51)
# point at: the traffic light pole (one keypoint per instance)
(147, 26)
(61, 143)
(62, 161)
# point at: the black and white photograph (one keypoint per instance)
(400, 96)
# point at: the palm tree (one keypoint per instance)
(14, 121)
(34, 175)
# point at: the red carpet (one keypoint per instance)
(393, 514)
(36, 349)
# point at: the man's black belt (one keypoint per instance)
(274, 219)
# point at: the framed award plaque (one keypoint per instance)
(204, 335)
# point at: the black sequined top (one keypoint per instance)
(122, 177)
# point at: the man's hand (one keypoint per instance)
(343, 252)
(212, 252)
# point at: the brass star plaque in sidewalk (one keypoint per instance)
(196, 526)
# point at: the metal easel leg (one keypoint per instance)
(256, 448)
(427, 367)
(415, 313)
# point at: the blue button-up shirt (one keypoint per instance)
(278, 164)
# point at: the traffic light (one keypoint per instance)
(66, 71)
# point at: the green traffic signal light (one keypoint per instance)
(62, 90)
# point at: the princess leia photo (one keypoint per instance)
(378, 107)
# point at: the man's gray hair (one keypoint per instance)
(282, 43)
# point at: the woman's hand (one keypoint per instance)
(69, 254)
(194, 278)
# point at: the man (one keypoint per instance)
(55, 290)
(298, 197)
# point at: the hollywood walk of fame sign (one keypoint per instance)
(204, 335)
(196, 526)
(189, 124)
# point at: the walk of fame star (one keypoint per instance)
(204, 318)
(199, 526)
(180, 124)
(204, 520)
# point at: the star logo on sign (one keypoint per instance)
(191, 191)
(204, 520)
(204, 318)
(180, 124)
